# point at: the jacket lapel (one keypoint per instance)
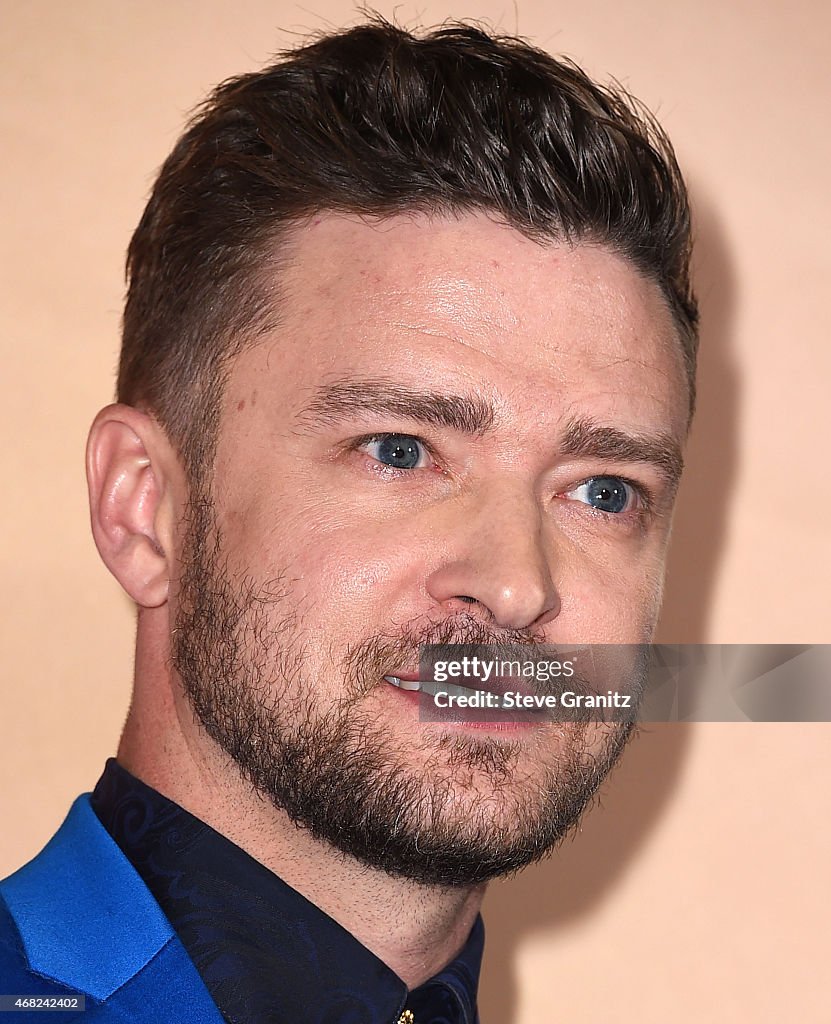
(87, 920)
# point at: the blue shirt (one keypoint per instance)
(265, 953)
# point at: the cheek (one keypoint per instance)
(354, 577)
(348, 571)
(348, 579)
(602, 604)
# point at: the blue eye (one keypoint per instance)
(399, 451)
(605, 493)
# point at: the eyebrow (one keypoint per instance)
(468, 414)
(583, 437)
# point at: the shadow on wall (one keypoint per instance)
(699, 529)
(583, 872)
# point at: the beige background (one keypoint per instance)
(700, 890)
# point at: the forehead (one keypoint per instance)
(470, 301)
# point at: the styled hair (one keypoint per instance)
(376, 120)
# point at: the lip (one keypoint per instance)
(499, 685)
(411, 682)
(456, 719)
(408, 683)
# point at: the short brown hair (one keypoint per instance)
(377, 120)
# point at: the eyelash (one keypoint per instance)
(359, 442)
(646, 501)
(644, 495)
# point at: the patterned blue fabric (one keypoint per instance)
(265, 953)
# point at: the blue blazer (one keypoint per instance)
(78, 920)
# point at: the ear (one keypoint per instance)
(136, 485)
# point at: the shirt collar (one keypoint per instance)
(260, 946)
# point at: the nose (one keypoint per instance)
(498, 560)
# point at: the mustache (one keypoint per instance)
(597, 669)
(367, 660)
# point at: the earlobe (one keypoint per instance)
(131, 498)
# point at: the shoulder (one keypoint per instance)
(79, 920)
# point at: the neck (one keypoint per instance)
(415, 929)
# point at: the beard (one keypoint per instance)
(439, 808)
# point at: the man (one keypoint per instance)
(408, 358)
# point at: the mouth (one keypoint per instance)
(410, 682)
(498, 685)
(404, 683)
(489, 718)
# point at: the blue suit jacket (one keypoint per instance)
(79, 920)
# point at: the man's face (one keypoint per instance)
(415, 456)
